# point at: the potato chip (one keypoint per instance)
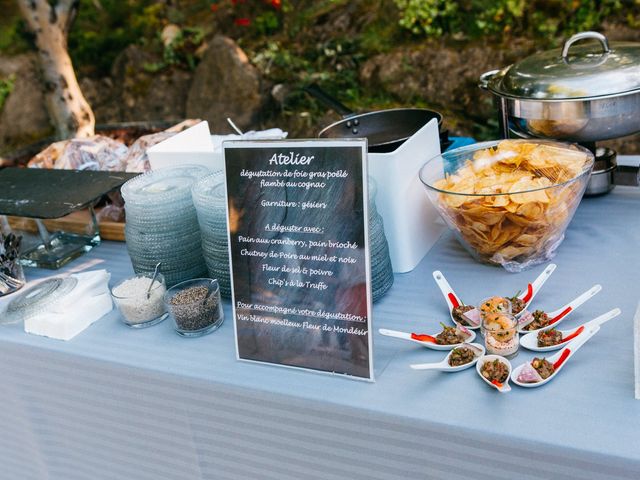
(526, 239)
(512, 207)
(532, 210)
(530, 185)
(501, 201)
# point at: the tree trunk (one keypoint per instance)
(67, 107)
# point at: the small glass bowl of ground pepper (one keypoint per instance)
(194, 307)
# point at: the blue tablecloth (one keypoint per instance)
(117, 403)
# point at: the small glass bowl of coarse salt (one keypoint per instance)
(137, 309)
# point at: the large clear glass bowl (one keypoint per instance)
(509, 202)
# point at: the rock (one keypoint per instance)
(169, 34)
(619, 32)
(279, 93)
(225, 85)
(23, 118)
(144, 94)
(100, 93)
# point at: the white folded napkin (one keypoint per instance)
(89, 301)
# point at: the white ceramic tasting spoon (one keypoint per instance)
(533, 288)
(560, 314)
(558, 360)
(428, 341)
(501, 387)
(444, 366)
(453, 301)
(530, 340)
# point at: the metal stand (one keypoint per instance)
(59, 248)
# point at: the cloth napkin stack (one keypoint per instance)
(67, 317)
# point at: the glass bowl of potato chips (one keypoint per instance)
(509, 202)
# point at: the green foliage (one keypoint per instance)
(272, 59)
(181, 51)
(104, 28)
(589, 14)
(267, 23)
(331, 64)
(252, 18)
(431, 17)
(476, 18)
(335, 67)
(314, 45)
(6, 87)
(14, 37)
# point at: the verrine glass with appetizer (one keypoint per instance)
(500, 331)
(494, 305)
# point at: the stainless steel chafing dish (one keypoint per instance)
(580, 93)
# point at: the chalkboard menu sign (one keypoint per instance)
(298, 238)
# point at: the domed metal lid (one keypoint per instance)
(573, 72)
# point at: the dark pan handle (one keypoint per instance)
(334, 104)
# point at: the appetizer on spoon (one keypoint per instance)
(447, 339)
(461, 314)
(521, 301)
(542, 370)
(495, 371)
(549, 340)
(460, 358)
(541, 320)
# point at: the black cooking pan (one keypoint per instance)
(385, 130)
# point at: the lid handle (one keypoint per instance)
(582, 36)
(483, 82)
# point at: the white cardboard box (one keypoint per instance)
(411, 224)
(193, 146)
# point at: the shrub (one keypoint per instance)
(6, 87)
(538, 18)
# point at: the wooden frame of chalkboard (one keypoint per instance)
(297, 213)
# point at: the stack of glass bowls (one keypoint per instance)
(209, 198)
(381, 270)
(162, 225)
